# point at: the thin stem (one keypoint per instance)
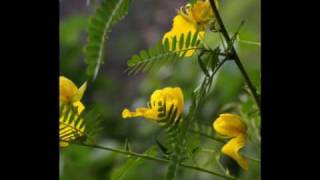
(234, 53)
(150, 158)
(246, 156)
(207, 150)
(221, 39)
(249, 42)
(120, 151)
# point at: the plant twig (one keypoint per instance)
(234, 53)
(150, 158)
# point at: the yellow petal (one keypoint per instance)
(202, 12)
(172, 96)
(232, 148)
(181, 25)
(67, 89)
(140, 112)
(79, 106)
(80, 92)
(229, 125)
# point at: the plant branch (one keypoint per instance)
(234, 53)
(150, 158)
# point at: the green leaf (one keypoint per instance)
(71, 124)
(127, 145)
(162, 147)
(107, 14)
(181, 41)
(163, 53)
(203, 66)
(174, 43)
(192, 1)
(194, 38)
(214, 58)
(188, 39)
(131, 165)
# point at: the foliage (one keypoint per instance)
(186, 148)
(107, 15)
(162, 54)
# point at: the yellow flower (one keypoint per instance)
(189, 19)
(70, 96)
(230, 125)
(168, 96)
(69, 92)
(202, 13)
(232, 149)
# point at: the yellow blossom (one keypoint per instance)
(69, 92)
(70, 96)
(232, 149)
(169, 96)
(190, 18)
(231, 126)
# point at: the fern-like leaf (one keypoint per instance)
(71, 124)
(107, 14)
(171, 123)
(163, 53)
(74, 126)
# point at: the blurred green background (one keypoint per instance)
(114, 90)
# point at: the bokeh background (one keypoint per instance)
(114, 90)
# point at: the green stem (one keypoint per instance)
(250, 42)
(246, 156)
(234, 53)
(150, 158)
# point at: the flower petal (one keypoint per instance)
(202, 12)
(232, 148)
(80, 107)
(181, 25)
(80, 92)
(67, 89)
(229, 125)
(140, 112)
(172, 96)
